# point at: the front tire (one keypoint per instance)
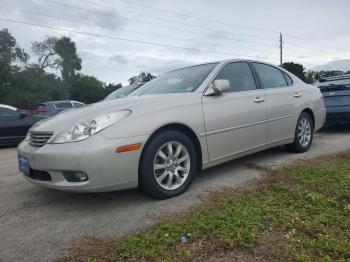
(168, 165)
(304, 133)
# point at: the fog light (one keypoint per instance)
(75, 176)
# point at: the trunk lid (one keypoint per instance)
(336, 95)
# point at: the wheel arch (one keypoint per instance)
(311, 113)
(178, 127)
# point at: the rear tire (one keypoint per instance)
(304, 132)
(168, 165)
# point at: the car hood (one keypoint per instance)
(137, 104)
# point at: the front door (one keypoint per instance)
(235, 121)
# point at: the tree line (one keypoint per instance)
(310, 76)
(52, 74)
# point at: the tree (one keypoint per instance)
(47, 56)
(141, 78)
(111, 88)
(310, 77)
(296, 69)
(58, 54)
(71, 62)
(87, 89)
(32, 86)
(10, 53)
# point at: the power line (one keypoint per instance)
(177, 22)
(318, 43)
(224, 23)
(143, 22)
(301, 47)
(113, 8)
(200, 18)
(116, 29)
(123, 39)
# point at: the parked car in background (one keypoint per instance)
(123, 91)
(336, 94)
(14, 124)
(161, 135)
(54, 107)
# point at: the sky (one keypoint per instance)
(121, 38)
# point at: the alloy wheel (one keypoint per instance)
(171, 165)
(304, 132)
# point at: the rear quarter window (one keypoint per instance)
(270, 76)
(288, 79)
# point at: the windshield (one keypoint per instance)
(178, 81)
(122, 92)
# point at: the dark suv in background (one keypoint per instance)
(54, 107)
(336, 94)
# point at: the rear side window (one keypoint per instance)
(288, 79)
(270, 76)
(63, 105)
(239, 75)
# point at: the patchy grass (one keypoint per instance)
(300, 212)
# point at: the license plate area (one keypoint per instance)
(23, 164)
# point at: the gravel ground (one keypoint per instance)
(37, 224)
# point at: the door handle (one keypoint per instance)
(259, 99)
(297, 94)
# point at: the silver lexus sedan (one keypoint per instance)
(172, 127)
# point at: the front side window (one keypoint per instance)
(8, 112)
(270, 76)
(239, 75)
(179, 81)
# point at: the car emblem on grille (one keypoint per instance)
(332, 93)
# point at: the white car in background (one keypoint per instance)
(170, 128)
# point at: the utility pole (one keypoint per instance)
(281, 46)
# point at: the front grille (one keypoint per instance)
(39, 175)
(39, 138)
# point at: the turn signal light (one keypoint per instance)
(128, 148)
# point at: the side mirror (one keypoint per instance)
(22, 115)
(218, 87)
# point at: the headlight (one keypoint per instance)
(90, 127)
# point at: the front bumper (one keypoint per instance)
(96, 157)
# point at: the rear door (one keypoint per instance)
(235, 121)
(283, 100)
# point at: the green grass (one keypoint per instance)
(306, 205)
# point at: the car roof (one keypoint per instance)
(8, 107)
(226, 61)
